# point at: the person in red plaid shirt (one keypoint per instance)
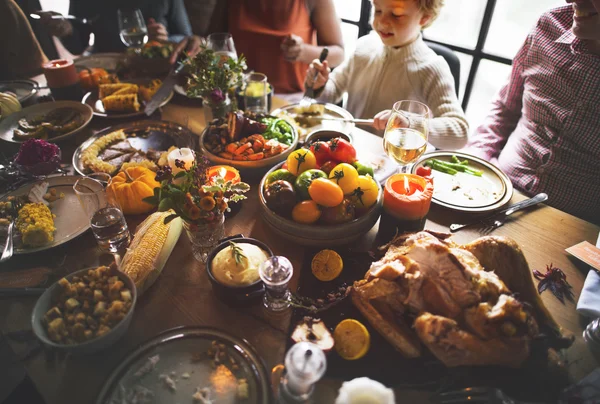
(544, 127)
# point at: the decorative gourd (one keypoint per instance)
(8, 104)
(131, 186)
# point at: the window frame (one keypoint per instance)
(478, 54)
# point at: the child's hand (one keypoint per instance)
(381, 119)
(323, 70)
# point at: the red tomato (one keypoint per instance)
(342, 150)
(327, 166)
(424, 171)
(321, 151)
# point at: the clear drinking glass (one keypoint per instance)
(256, 93)
(102, 178)
(405, 138)
(276, 273)
(222, 44)
(132, 28)
(106, 218)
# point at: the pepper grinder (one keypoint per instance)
(305, 364)
(591, 335)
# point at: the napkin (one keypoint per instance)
(589, 300)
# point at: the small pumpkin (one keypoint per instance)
(131, 186)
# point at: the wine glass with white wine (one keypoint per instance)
(132, 28)
(405, 138)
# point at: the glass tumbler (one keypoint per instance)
(256, 93)
(106, 218)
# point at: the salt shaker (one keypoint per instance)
(276, 273)
(305, 364)
(591, 335)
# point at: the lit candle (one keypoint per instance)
(406, 202)
(228, 173)
(185, 155)
(62, 79)
(364, 390)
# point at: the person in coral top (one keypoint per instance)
(280, 38)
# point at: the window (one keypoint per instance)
(485, 34)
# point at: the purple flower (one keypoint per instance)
(217, 96)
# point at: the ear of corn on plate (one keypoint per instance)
(150, 249)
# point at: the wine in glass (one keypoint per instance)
(405, 138)
(222, 44)
(132, 28)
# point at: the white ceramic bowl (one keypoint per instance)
(319, 235)
(44, 304)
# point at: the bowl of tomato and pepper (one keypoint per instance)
(321, 195)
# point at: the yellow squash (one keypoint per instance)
(132, 185)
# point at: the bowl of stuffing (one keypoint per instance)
(86, 311)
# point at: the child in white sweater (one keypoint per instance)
(393, 63)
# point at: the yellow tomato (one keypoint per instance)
(345, 176)
(301, 160)
(366, 193)
(306, 212)
(325, 192)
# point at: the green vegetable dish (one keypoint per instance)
(278, 129)
(453, 167)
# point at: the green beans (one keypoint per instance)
(453, 167)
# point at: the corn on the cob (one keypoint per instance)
(104, 90)
(130, 89)
(36, 225)
(121, 103)
(150, 249)
(146, 92)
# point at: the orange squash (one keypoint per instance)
(131, 186)
(90, 78)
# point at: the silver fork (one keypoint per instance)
(309, 92)
(15, 206)
(477, 395)
(494, 222)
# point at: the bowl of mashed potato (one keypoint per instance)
(232, 268)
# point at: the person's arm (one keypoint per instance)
(488, 139)
(179, 25)
(337, 83)
(329, 34)
(448, 129)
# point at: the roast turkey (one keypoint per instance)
(472, 304)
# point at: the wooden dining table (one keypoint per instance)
(183, 296)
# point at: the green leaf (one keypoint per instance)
(211, 188)
(170, 218)
(237, 197)
(180, 174)
(165, 205)
(152, 200)
(240, 187)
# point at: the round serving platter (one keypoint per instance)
(23, 89)
(91, 99)
(107, 61)
(181, 354)
(70, 219)
(465, 192)
(143, 135)
(11, 122)
(331, 111)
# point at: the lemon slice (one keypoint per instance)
(352, 339)
(327, 265)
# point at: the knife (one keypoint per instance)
(504, 212)
(165, 89)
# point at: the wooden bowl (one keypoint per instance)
(314, 234)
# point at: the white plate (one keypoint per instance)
(11, 122)
(465, 192)
(70, 221)
(331, 111)
(106, 61)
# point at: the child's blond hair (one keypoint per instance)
(432, 8)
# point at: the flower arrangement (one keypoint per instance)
(212, 78)
(192, 195)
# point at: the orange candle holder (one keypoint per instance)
(406, 202)
(62, 79)
(227, 172)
